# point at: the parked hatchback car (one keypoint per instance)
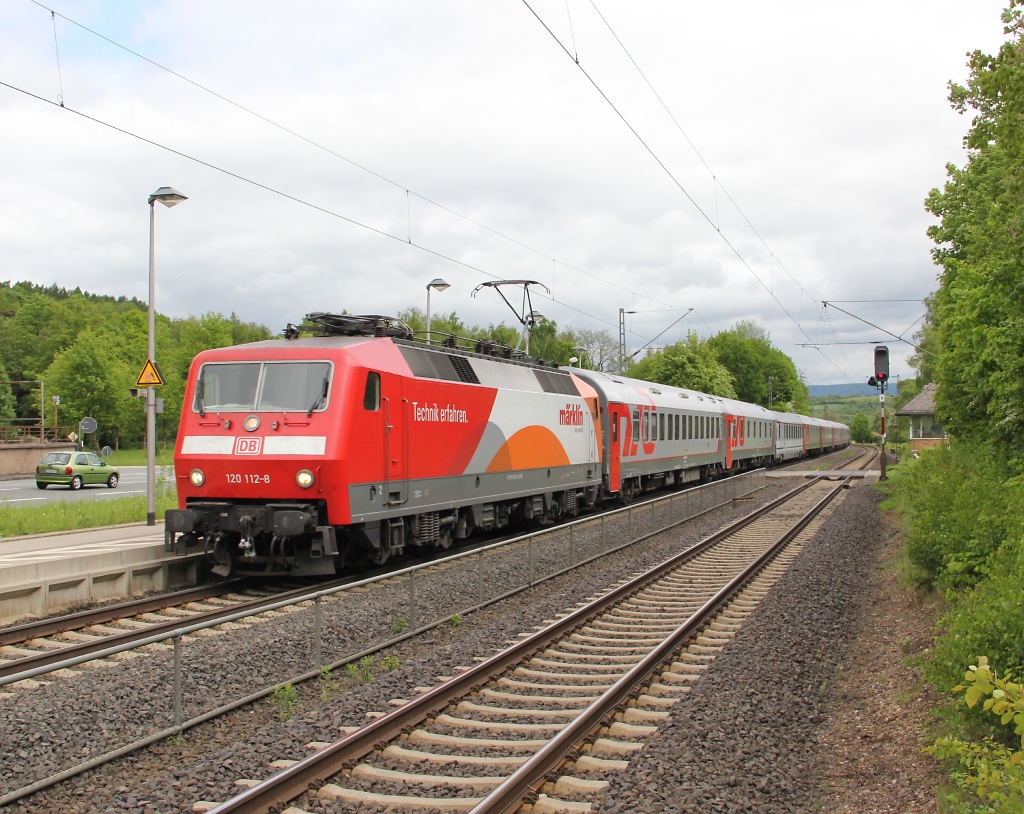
(75, 470)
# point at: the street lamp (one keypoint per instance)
(168, 197)
(440, 285)
(572, 360)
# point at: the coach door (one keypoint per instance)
(730, 423)
(396, 439)
(618, 420)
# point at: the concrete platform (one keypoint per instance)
(40, 574)
(824, 473)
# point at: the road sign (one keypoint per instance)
(72, 436)
(87, 425)
(150, 375)
(56, 400)
(105, 452)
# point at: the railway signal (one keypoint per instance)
(880, 379)
(881, 363)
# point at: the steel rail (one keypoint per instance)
(55, 625)
(48, 658)
(315, 769)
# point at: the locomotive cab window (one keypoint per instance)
(294, 387)
(371, 396)
(227, 387)
(263, 387)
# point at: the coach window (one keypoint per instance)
(661, 426)
(636, 426)
(371, 396)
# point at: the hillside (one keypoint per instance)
(819, 390)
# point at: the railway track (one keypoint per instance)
(53, 640)
(49, 641)
(542, 721)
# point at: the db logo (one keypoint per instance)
(248, 445)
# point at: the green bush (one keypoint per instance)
(989, 771)
(965, 536)
(988, 619)
(961, 505)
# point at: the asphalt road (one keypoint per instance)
(23, 491)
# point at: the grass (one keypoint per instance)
(137, 457)
(67, 515)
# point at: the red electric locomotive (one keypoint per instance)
(292, 454)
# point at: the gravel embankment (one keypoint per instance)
(42, 727)
(746, 737)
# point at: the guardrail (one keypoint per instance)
(421, 592)
(15, 434)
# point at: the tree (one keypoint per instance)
(602, 349)
(7, 401)
(689, 363)
(91, 381)
(762, 374)
(860, 429)
(978, 310)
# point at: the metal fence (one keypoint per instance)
(325, 630)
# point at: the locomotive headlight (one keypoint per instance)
(197, 477)
(251, 423)
(304, 478)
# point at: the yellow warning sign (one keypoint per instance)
(150, 376)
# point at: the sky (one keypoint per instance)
(341, 155)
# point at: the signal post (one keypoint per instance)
(881, 380)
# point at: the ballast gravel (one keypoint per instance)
(745, 738)
(765, 749)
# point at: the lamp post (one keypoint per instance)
(440, 285)
(168, 197)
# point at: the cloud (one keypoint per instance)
(826, 123)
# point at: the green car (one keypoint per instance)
(75, 469)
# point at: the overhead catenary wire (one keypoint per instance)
(290, 197)
(739, 256)
(432, 202)
(884, 330)
(355, 164)
(56, 50)
(718, 184)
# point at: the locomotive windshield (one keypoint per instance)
(270, 387)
